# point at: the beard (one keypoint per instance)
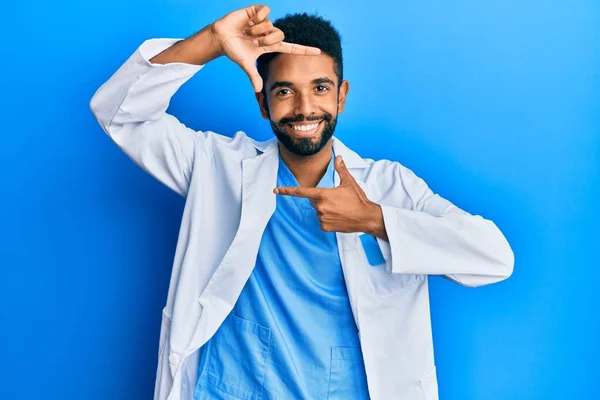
(305, 146)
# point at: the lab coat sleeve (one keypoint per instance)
(437, 238)
(131, 108)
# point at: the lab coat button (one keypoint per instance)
(174, 358)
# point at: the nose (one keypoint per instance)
(304, 105)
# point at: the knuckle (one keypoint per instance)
(270, 41)
(262, 29)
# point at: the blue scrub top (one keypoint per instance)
(291, 333)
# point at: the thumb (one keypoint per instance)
(250, 70)
(257, 13)
(340, 167)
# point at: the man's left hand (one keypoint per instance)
(345, 208)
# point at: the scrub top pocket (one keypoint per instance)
(346, 377)
(236, 361)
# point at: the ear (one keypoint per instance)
(262, 103)
(343, 92)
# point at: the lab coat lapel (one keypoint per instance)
(258, 204)
(347, 242)
(259, 177)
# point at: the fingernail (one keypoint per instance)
(251, 23)
(255, 41)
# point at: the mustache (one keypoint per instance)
(299, 118)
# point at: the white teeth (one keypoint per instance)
(305, 128)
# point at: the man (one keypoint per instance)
(301, 268)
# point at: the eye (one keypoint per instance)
(322, 88)
(283, 92)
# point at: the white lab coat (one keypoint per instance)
(228, 185)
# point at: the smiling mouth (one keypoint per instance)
(304, 130)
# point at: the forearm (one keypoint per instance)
(198, 49)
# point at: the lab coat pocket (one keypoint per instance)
(429, 385)
(237, 359)
(347, 379)
(383, 283)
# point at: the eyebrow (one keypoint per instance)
(317, 81)
(279, 84)
(323, 80)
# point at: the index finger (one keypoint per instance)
(296, 191)
(293, 48)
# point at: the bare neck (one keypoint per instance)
(308, 170)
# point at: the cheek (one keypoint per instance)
(331, 104)
(278, 110)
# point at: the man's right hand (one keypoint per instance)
(243, 35)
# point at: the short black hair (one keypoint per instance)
(307, 30)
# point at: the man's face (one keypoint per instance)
(302, 101)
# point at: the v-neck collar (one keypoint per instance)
(287, 178)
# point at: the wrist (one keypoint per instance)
(374, 220)
(215, 41)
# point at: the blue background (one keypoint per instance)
(495, 104)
